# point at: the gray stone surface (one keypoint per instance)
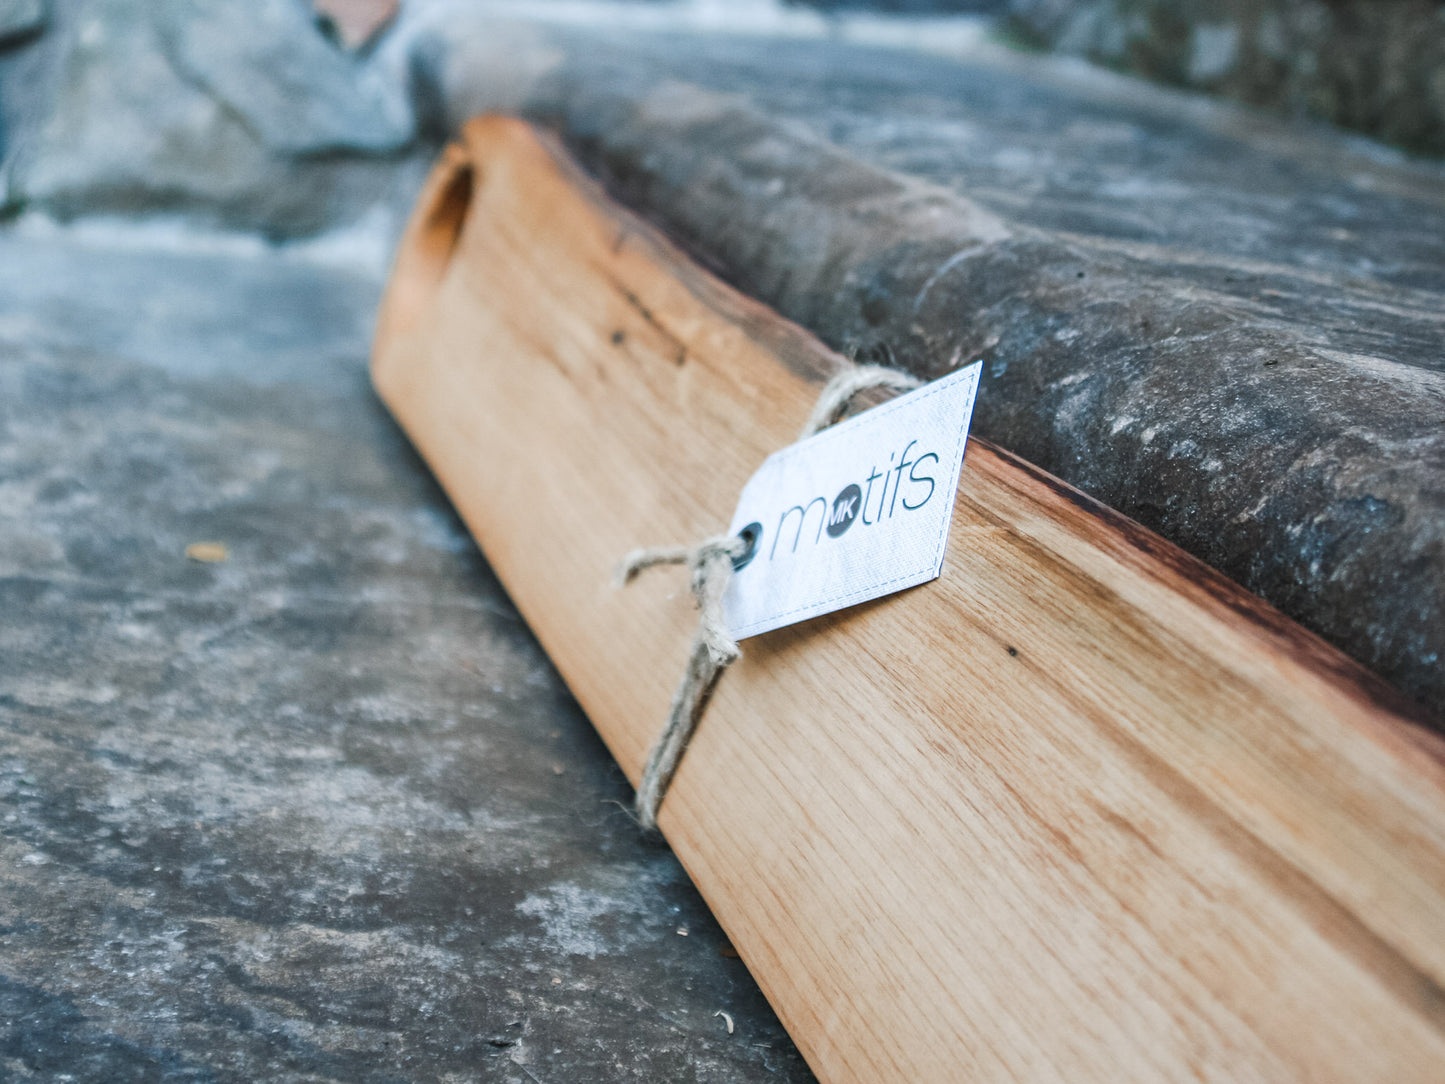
(1228, 328)
(322, 812)
(19, 18)
(1376, 67)
(229, 112)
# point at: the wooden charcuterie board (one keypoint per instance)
(1080, 809)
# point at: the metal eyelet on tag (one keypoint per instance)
(749, 534)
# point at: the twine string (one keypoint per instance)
(710, 564)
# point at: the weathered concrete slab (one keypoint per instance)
(1228, 328)
(321, 812)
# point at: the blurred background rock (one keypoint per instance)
(275, 115)
(241, 114)
(1377, 66)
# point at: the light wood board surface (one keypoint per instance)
(1078, 810)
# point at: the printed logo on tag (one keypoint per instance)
(859, 511)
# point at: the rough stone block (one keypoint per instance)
(237, 113)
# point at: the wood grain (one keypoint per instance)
(1078, 810)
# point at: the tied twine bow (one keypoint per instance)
(710, 566)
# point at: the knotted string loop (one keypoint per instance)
(710, 564)
(838, 395)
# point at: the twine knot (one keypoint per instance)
(710, 564)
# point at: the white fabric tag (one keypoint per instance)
(856, 512)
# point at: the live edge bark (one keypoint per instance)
(1285, 454)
